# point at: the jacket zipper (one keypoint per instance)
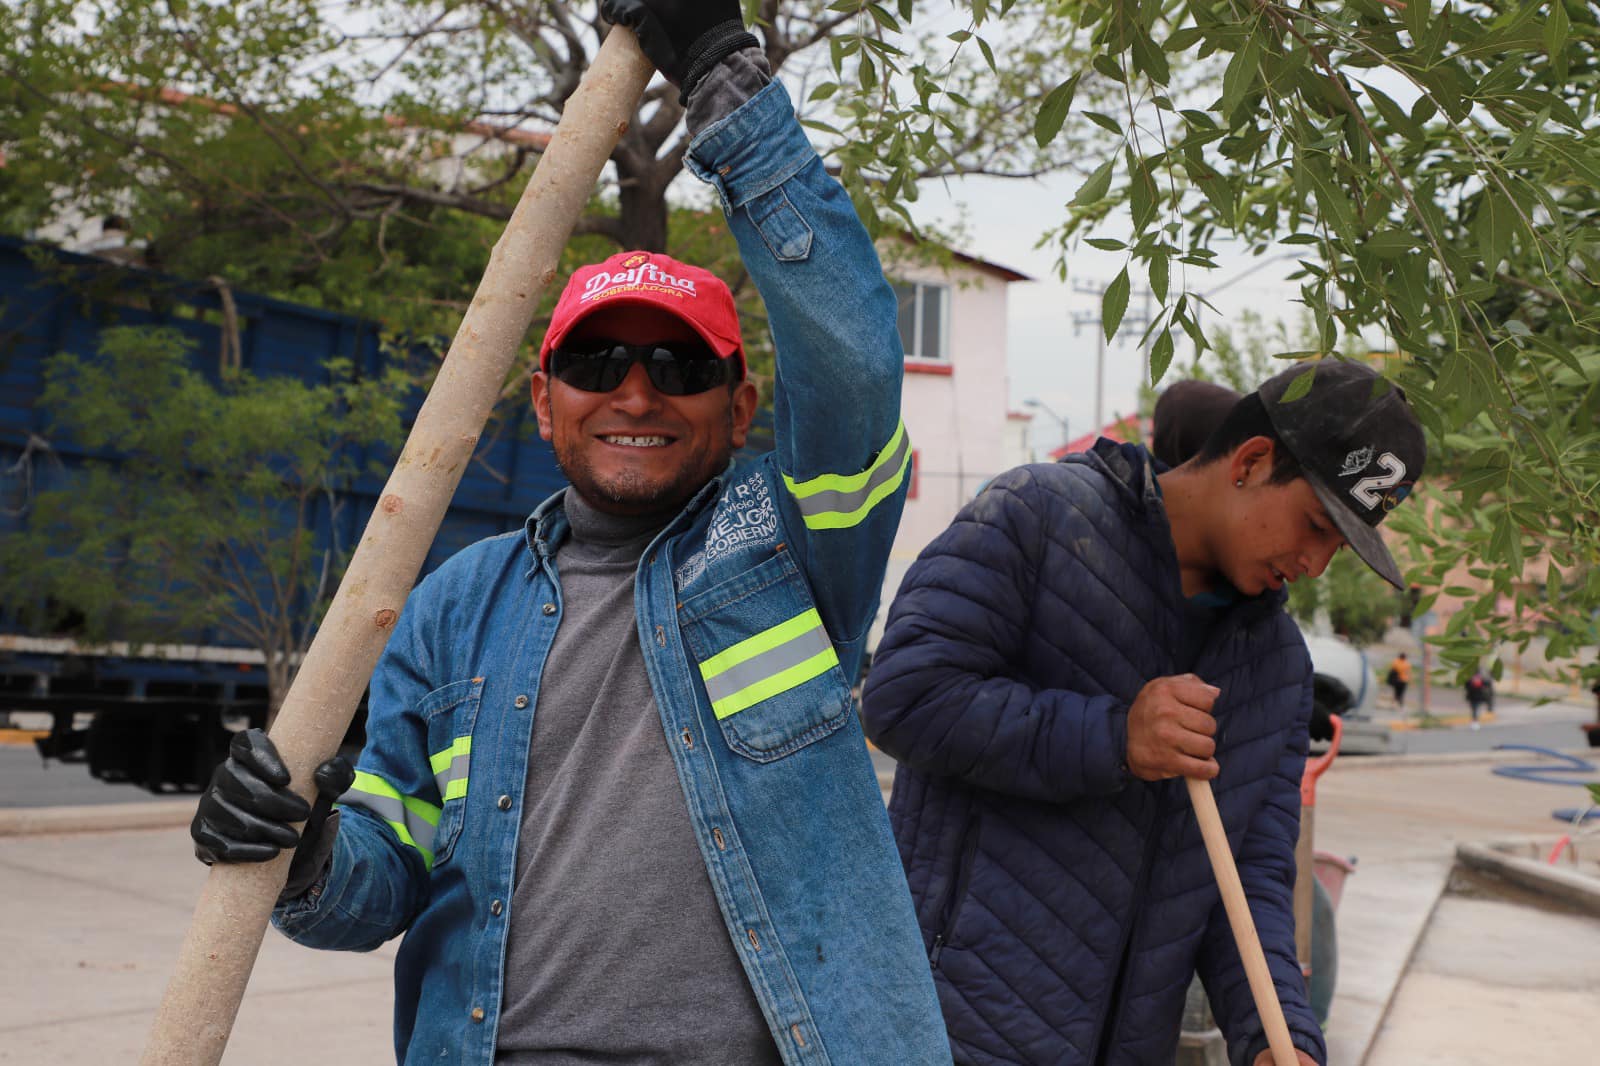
(958, 890)
(1114, 1003)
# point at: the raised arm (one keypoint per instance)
(841, 448)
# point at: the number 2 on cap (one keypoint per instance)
(1369, 490)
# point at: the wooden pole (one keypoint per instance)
(197, 1012)
(1244, 927)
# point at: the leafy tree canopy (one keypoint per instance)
(1434, 164)
(363, 156)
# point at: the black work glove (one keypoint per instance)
(247, 814)
(685, 39)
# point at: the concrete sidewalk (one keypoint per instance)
(1401, 818)
(91, 934)
(94, 921)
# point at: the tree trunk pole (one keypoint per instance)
(1237, 907)
(197, 1012)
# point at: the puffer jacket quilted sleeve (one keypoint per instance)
(943, 695)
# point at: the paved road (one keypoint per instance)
(28, 781)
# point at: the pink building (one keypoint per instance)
(955, 400)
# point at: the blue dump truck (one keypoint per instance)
(158, 714)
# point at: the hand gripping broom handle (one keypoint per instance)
(197, 1012)
(1244, 927)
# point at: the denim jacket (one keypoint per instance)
(752, 606)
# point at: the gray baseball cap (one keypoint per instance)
(1359, 445)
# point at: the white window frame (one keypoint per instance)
(913, 345)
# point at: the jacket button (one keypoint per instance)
(722, 843)
(521, 702)
(755, 941)
(495, 907)
(549, 608)
(661, 636)
(477, 1014)
(504, 803)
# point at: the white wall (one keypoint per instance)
(957, 421)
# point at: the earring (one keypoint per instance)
(1239, 484)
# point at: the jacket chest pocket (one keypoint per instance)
(450, 713)
(768, 665)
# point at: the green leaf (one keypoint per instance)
(1220, 193)
(1108, 66)
(1105, 122)
(1053, 112)
(1158, 276)
(1495, 225)
(1394, 114)
(1336, 208)
(1240, 75)
(1160, 356)
(1107, 244)
(1557, 28)
(1299, 387)
(1417, 15)
(1094, 190)
(1390, 244)
(1114, 304)
(1150, 59)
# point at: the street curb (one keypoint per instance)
(101, 818)
(1449, 758)
(1405, 968)
(1570, 888)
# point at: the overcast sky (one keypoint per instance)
(1047, 360)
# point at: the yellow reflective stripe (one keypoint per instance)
(836, 501)
(796, 675)
(437, 762)
(456, 789)
(845, 482)
(763, 641)
(412, 820)
(847, 519)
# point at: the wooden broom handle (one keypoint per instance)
(1244, 927)
(197, 1012)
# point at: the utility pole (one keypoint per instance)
(1138, 320)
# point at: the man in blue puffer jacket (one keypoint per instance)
(1083, 635)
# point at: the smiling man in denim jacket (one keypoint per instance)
(614, 792)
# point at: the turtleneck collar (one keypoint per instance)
(590, 525)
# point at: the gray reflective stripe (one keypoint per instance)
(767, 664)
(450, 769)
(847, 506)
(412, 820)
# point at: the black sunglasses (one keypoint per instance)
(676, 368)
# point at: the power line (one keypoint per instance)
(1140, 320)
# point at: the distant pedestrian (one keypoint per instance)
(1480, 694)
(1399, 677)
(1592, 729)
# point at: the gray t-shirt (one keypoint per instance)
(618, 953)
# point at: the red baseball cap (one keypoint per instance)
(649, 279)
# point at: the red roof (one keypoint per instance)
(1129, 428)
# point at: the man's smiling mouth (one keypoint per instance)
(631, 441)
